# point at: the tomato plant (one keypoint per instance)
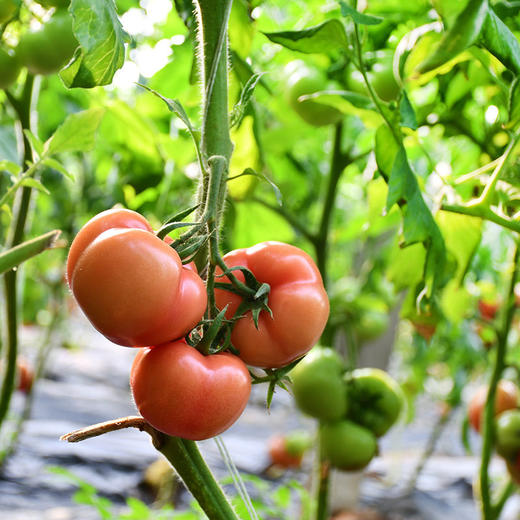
(109, 267)
(507, 427)
(46, 50)
(346, 445)
(318, 387)
(303, 81)
(375, 399)
(54, 3)
(185, 394)
(506, 399)
(9, 68)
(297, 300)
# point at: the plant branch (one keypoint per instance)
(484, 213)
(488, 511)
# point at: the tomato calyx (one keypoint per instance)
(255, 295)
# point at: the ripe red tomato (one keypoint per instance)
(185, 394)
(506, 399)
(130, 284)
(280, 455)
(297, 299)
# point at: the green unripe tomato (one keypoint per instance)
(375, 399)
(48, 49)
(318, 386)
(54, 3)
(383, 80)
(8, 9)
(508, 434)
(304, 81)
(346, 445)
(355, 81)
(9, 69)
(371, 325)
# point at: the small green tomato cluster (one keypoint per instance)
(42, 51)
(354, 408)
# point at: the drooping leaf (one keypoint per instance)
(463, 33)
(320, 38)
(360, 18)
(16, 255)
(10, 167)
(56, 165)
(101, 38)
(498, 39)
(35, 142)
(418, 222)
(408, 117)
(35, 184)
(77, 133)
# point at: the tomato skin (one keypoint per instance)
(508, 434)
(185, 394)
(134, 290)
(383, 79)
(506, 399)
(48, 49)
(25, 376)
(9, 68)
(513, 467)
(318, 387)
(375, 399)
(305, 81)
(347, 445)
(111, 218)
(297, 299)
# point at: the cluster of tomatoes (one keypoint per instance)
(135, 290)
(354, 408)
(506, 423)
(42, 51)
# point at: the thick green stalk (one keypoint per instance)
(488, 511)
(185, 457)
(22, 108)
(338, 163)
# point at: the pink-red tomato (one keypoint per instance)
(185, 394)
(506, 398)
(131, 285)
(111, 218)
(297, 299)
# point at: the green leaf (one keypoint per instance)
(16, 255)
(77, 133)
(10, 167)
(101, 38)
(276, 189)
(408, 117)
(418, 222)
(245, 97)
(462, 235)
(463, 33)
(317, 39)
(35, 184)
(36, 143)
(176, 107)
(498, 39)
(360, 18)
(56, 165)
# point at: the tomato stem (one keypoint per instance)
(489, 512)
(22, 107)
(187, 460)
